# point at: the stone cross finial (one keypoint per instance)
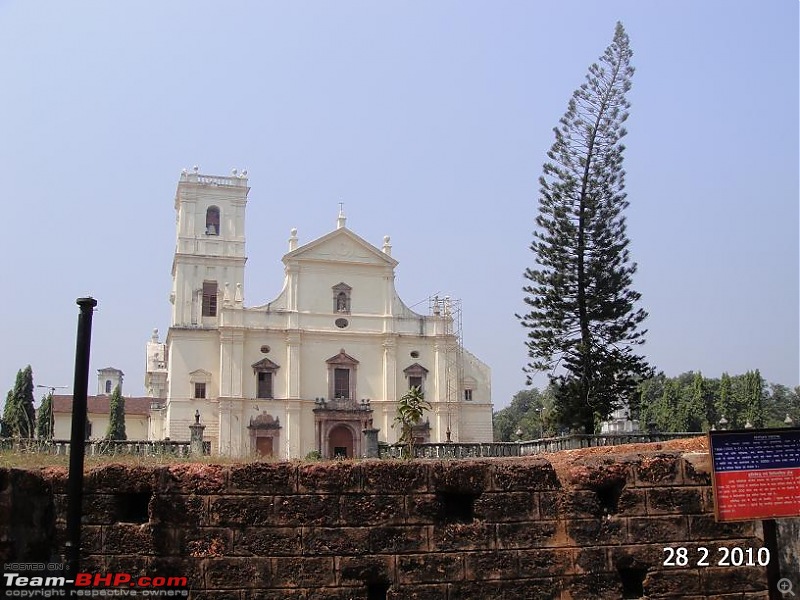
(342, 219)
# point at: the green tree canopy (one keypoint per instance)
(582, 309)
(410, 410)
(44, 418)
(116, 421)
(19, 414)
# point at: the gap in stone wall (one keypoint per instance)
(608, 496)
(632, 581)
(377, 591)
(455, 507)
(132, 507)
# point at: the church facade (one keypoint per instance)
(310, 370)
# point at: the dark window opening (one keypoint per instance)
(199, 390)
(264, 385)
(377, 591)
(632, 582)
(468, 395)
(132, 507)
(212, 221)
(341, 383)
(456, 507)
(108, 386)
(415, 382)
(608, 496)
(209, 298)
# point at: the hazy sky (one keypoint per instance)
(430, 121)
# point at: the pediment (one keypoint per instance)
(199, 376)
(264, 421)
(265, 364)
(415, 370)
(341, 245)
(342, 359)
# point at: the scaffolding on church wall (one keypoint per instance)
(450, 310)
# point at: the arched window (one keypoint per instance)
(212, 220)
(108, 386)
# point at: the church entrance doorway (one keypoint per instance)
(340, 441)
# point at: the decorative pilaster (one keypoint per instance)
(293, 364)
(231, 357)
(389, 368)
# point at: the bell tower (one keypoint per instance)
(208, 265)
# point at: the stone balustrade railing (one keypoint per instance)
(529, 447)
(236, 180)
(104, 447)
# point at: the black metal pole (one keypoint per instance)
(77, 442)
(774, 565)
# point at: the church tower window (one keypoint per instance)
(209, 298)
(212, 220)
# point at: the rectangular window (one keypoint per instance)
(199, 390)
(415, 382)
(341, 383)
(264, 385)
(209, 298)
(467, 395)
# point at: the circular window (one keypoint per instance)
(265, 349)
(415, 354)
(342, 323)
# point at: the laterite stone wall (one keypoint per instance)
(496, 528)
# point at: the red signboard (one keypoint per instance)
(756, 473)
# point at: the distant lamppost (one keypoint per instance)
(52, 424)
(723, 422)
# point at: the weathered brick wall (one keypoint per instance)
(496, 528)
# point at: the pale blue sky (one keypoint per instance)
(431, 121)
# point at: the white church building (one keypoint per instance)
(311, 369)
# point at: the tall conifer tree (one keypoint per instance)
(582, 308)
(44, 418)
(19, 414)
(116, 421)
